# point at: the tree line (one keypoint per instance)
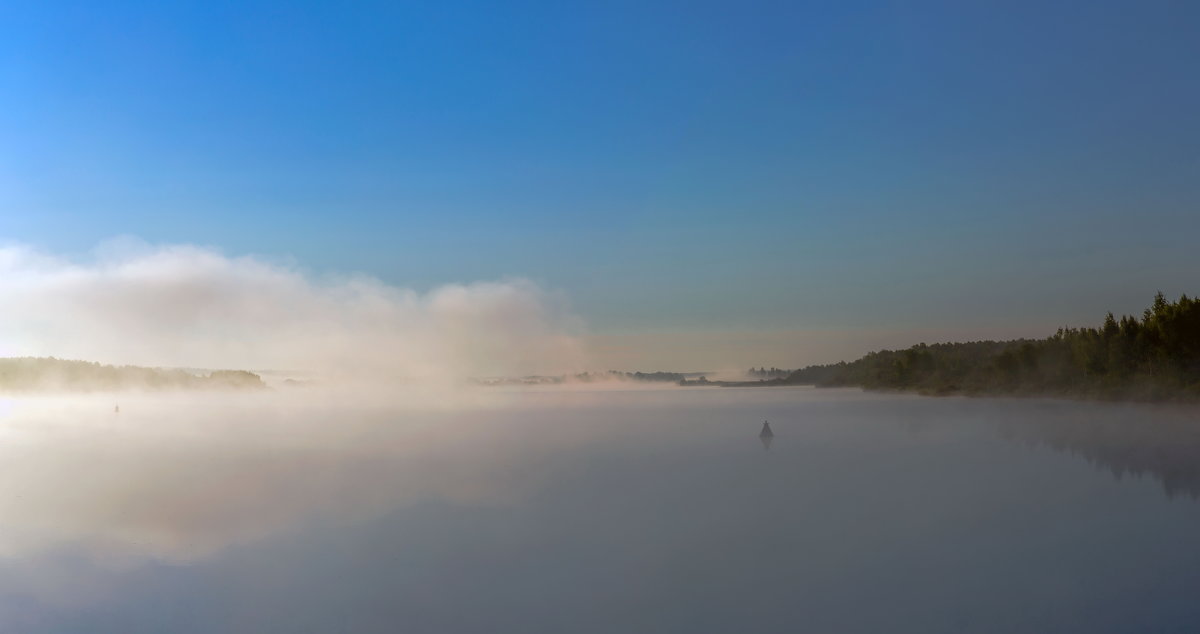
(769, 373)
(21, 374)
(1156, 356)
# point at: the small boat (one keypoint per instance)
(116, 409)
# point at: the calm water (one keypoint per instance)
(635, 511)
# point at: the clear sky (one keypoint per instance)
(707, 169)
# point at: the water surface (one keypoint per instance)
(609, 511)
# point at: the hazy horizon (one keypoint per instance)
(130, 302)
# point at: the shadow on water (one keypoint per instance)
(1161, 442)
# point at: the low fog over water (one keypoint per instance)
(129, 302)
(558, 509)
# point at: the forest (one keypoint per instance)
(1156, 356)
(24, 374)
(769, 373)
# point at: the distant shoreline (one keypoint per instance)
(1154, 358)
(48, 375)
(1182, 399)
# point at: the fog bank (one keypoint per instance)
(129, 302)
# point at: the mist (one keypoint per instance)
(182, 305)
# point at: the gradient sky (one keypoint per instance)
(683, 167)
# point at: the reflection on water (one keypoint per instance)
(1162, 442)
(598, 512)
(766, 435)
(177, 483)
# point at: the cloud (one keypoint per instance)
(184, 305)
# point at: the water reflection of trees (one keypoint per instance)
(1161, 442)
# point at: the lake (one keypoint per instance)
(559, 510)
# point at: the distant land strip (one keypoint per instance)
(1154, 357)
(36, 374)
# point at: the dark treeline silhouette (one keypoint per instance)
(594, 377)
(37, 373)
(1154, 357)
(769, 373)
(671, 377)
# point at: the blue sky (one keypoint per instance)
(668, 166)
